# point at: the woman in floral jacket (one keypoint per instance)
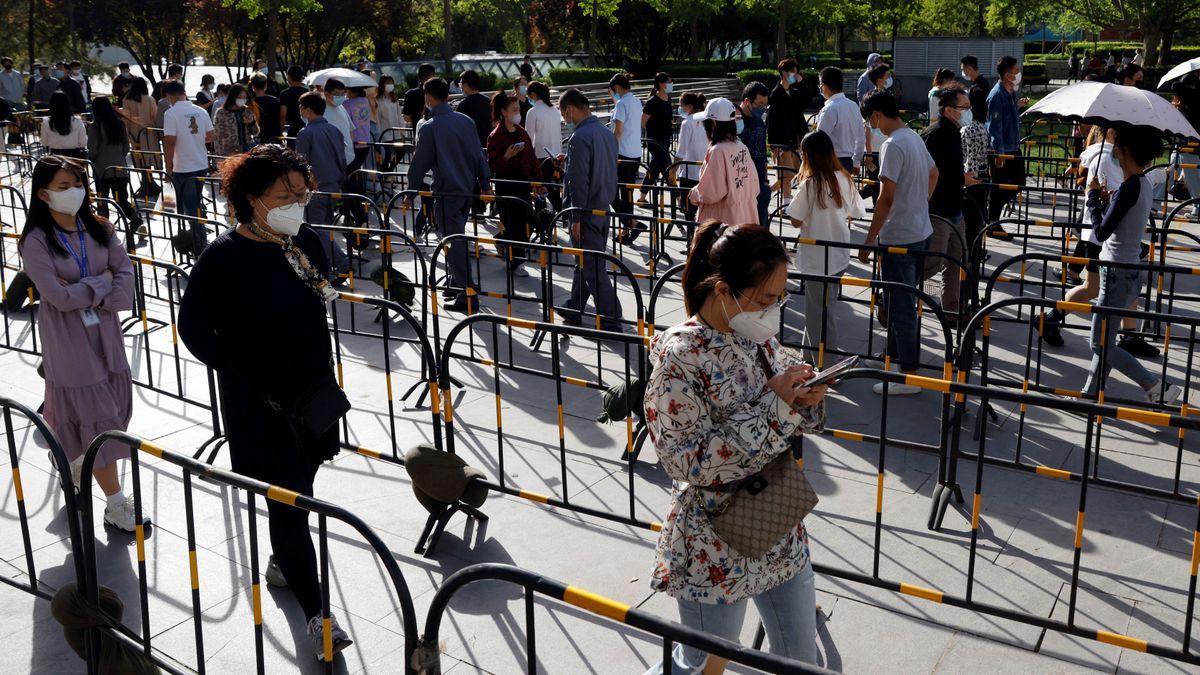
(723, 401)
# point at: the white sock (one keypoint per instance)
(115, 499)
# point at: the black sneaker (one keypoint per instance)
(1051, 332)
(998, 232)
(1134, 344)
(458, 304)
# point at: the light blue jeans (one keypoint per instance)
(1118, 288)
(788, 613)
(1191, 177)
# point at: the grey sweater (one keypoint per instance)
(105, 153)
(1121, 226)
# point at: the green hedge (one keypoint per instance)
(1179, 53)
(562, 77)
(767, 76)
(487, 81)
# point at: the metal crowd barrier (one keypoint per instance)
(253, 489)
(535, 585)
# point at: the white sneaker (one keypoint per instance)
(1171, 394)
(896, 388)
(341, 639)
(273, 574)
(121, 516)
(77, 473)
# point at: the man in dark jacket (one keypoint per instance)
(785, 124)
(475, 105)
(944, 143)
(448, 146)
(590, 183)
(323, 145)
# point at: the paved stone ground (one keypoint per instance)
(1133, 576)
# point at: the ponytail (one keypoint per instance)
(742, 256)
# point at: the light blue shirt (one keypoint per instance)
(905, 161)
(628, 111)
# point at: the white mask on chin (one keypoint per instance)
(757, 326)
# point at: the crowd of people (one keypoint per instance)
(724, 399)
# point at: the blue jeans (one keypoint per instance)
(188, 192)
(1191, 177)
(788, 613)
(904, 335)
(1118, 288)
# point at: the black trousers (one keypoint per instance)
(291, 542)
(1011, 173)
(627, 172)
(660, 160)
(353, 208)
(514, 217)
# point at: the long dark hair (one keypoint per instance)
(107, 120)
(230, 103)
(137, 89)
(60, 113)
(820, 165)
(39, 216)
(742, 256)
(500, 101)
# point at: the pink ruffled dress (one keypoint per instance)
(88, 385)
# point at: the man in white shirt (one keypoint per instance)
(335, 96)
(186, 129)
(626, 125)
(841, 120)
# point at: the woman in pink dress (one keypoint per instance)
(84, 278)
(728, 187)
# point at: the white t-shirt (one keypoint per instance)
(826, 223)
(628, 111)
(544, 125)
(75, 140)
(1098, 160)
(188, 123)
(693, 144)
(339, 118)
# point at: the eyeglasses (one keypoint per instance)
(780, 303)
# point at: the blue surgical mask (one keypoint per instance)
(741, 126)
(338, 100)
(681, 112)
(888, 83)
(791, 78)
(757, 112)
(56, 74)
(965, 117)
(523, 89)
(670, 87)
(616, 96)
(570, 127)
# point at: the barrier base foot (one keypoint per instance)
(436, 524)
(941, 499)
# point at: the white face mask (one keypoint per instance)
(758, 326)
(389, 88)
(241, 103)
(515, 119)
(965, 75)
(965, 117)
(1017, 79)
(888, 83)
(285, 220)
(66, 201)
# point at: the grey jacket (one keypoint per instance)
(591, 172)
(105, 155)
(321, 142)
(448, 145)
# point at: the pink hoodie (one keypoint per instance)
(728, 187)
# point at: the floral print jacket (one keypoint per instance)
(713, 420)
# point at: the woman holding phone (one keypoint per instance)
(511, 158)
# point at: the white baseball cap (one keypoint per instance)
(720, 109)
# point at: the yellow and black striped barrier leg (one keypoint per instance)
(326, 617)
(255, 582)
(193, 565)
(1079, 518)
(139, 535)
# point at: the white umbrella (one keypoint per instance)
(1179, 71)
(1110, 104)
(350, 78)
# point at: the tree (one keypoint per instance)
(150, 30)
(690, 13)
(1158, 20)
(273, 10)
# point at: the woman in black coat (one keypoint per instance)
(254, 311)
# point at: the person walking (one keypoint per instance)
(139, 109)
(186, 131)
(43, 89)
(266, 110)
(358, 109)
(289, 101)
(785, 126)
(107, 146)
(728, 187)
(510, 157)
(120, 83)
(335, 112)
(448, 145)
(254, 311)
(1119, 223)
(626, 122)
(1004, 130)
(841, 120)
(977, 147)
(693, 146)
(70, 84)
(866, 83)
(84, 279)
(901, 220)
(822, 208)
(723, 401)
(969, 69)
(206, 97)
(753, 133)
(321, 144)
(520, 91)
(387, 108)
(943, 140)
(657, 122)
(942, 79)
(589, 184)
(62, 132)
(544, 126)
(235, 128)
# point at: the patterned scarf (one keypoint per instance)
(299, 262)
